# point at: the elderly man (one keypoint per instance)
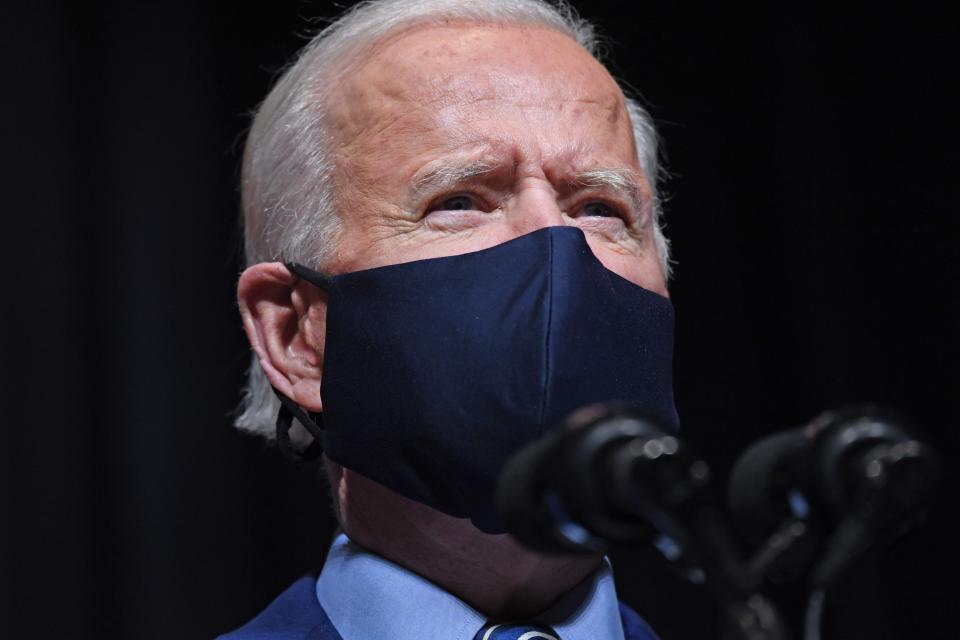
(450, 216)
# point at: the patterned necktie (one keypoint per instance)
(516, 632)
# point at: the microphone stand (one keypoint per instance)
(613, 475)
(654, 477)
(703, 553)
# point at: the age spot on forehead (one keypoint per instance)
(433, 89)
(427, 52)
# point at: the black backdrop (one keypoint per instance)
(811, 209)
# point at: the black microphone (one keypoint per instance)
(608, 474)
(851, 479)
(612, 475)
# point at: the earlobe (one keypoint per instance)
(285, 320)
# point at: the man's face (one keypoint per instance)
(456, 138)
(448, 140)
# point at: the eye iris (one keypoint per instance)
(598, 209)
(457, 203)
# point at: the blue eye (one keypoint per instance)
(599, 209)
(457, 203)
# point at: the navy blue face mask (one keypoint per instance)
(436, 372)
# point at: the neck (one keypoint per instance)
(494, 574)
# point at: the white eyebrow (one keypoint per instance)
(442, 175)
(626, 181)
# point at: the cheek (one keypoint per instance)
(459, 236)
(383, 243)
(643, 270)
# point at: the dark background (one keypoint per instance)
(811, 208)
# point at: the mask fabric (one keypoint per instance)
(436, 372)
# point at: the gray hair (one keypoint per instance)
(286, 185)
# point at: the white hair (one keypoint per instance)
(286, 185)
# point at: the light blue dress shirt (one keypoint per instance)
(368, 597)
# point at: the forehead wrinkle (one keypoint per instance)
(415, 84)
(414, 99)
(438, 106)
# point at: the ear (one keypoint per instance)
(285, 319)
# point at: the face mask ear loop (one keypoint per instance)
(314, 277)
(313, 422)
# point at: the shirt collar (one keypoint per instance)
(366, 596)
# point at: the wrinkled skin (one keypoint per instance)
(521, 114)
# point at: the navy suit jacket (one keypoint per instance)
(297, 615)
